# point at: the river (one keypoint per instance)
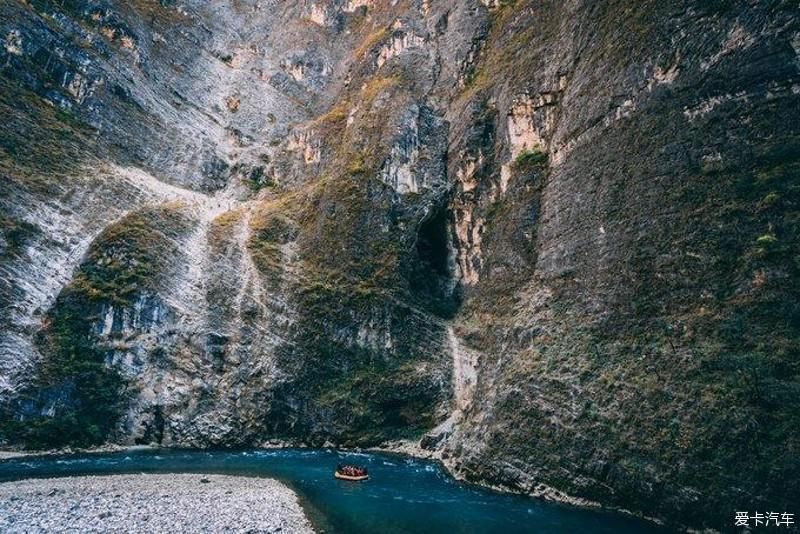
(403, 494)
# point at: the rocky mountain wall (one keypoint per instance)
(553, 242)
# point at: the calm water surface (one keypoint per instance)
(403, 494)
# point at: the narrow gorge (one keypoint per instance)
(555, 245)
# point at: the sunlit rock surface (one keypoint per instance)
(555, 242)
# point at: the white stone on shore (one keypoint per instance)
(151, 504)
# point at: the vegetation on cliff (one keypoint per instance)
(76, 398)
(597, 200)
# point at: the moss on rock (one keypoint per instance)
(76, 399)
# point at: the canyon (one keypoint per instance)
(554, 244)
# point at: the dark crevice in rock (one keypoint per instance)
(154, 431)
(433, 278)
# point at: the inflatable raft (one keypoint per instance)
(351, 473)
(342, 476)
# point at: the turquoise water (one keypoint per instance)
(403, 494)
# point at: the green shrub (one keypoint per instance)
(15, 232)
(767, 239)
(769, 200)
(529, 158)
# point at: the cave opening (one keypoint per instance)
(432, 248)
(433, 276)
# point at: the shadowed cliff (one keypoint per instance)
(555, 243)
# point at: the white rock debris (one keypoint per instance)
(150, 503)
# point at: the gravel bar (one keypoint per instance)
(152, 504)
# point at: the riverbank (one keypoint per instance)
(533, 490)
(151, 503)
(536, 491)
(110, 447)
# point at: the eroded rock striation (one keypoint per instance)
(554, 241)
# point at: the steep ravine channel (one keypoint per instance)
(553, 244)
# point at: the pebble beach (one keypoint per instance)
(152, 504)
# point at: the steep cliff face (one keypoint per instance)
(633, 300)
(557, 242)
